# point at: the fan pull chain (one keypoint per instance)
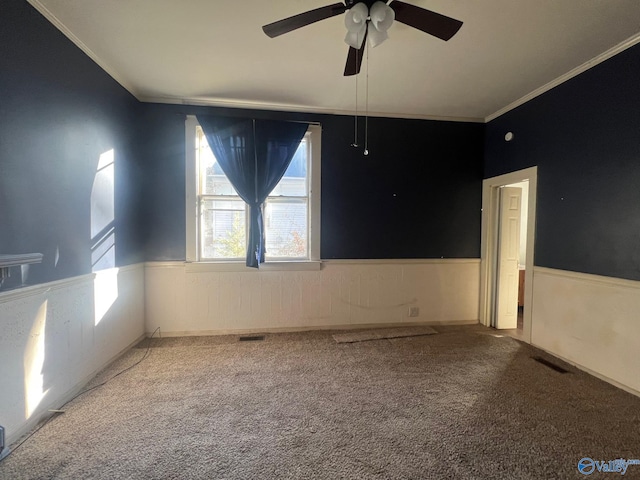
(366, 115)
(355, 129)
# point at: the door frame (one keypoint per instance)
(489, 239)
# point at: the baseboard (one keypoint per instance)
(243, 331)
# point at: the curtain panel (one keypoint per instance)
(254, 155)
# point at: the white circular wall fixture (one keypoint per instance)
(508, 136)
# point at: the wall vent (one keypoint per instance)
(251, 338)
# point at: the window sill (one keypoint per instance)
(204, 267)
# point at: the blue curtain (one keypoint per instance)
(254, 155)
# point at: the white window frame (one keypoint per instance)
(191, 205)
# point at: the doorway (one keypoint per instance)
(508, 233)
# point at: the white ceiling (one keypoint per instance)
(214, 52)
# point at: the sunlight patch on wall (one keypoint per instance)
(34, 357)
(103, 244)
(105, 292)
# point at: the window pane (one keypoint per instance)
(222, 223)
(213, 181)
(286, 229)
(223, 233)
(294, 181)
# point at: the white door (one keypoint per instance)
(508, 253)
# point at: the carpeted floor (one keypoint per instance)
(459, 404)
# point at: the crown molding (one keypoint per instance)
(282, 107)
(46, 13)
(628, 43)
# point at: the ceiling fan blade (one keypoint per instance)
(303, 19)
(354, 58)
(425, 20)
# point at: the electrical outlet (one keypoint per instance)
(414, 311)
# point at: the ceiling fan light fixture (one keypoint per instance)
(375, 36)
(355, 39)
(382, 16)
(356, 22)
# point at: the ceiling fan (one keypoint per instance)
(369, 18)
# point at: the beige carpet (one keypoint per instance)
(461, 404)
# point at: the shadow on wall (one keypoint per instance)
(102, 240)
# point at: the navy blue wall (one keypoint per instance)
(584, 136)
(417, 195)
(58, 113)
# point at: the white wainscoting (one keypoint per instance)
(590, 321)
(56, 336)
(193, 299)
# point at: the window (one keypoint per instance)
(217, 216)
